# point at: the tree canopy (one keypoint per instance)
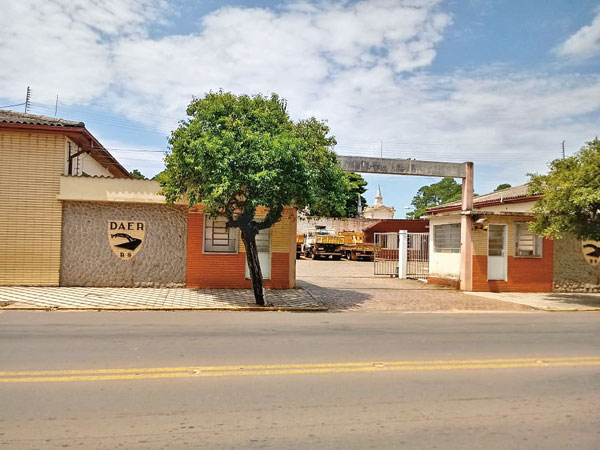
(502, 186)
(444, 191)
(570, 201)
(136, 174)
(357, 186)
(236, 153)
(354, 186)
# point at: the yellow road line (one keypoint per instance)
(291, 369)
(295, 366)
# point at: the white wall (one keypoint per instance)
(443, 265)
(351, 224)
(92, 167)
(84, 163)
(523, 207)
(378, 213)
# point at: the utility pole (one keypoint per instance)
(563, 149)
(381, 149)
(56, 106)
(27, 99)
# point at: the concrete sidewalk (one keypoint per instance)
(22, 297)
(547, 301)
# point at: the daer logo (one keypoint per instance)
(126, 237)
(591, 251)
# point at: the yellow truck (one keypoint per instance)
(299, 245)
(355, 248)
(322, 243)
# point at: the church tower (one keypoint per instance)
(378, 210)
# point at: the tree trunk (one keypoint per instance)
(249, 238)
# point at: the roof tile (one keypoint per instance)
(33, 119)
(503, 194)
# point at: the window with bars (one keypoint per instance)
(446, 238)
(526, 242)
(218, 238)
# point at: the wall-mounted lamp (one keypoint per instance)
(479, 223)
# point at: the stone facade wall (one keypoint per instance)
(572, 273)
(87, 258)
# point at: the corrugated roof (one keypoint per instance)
(498, 196)
(33, 119)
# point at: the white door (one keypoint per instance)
(497, 257)
(263, 244)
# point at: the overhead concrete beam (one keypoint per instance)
(395, 166)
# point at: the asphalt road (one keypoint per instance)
(282, 380)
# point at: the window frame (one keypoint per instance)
(539, 242)
(449, 250)
(231, 231)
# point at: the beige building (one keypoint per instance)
(35, 151)
(507, 256)
(378, 210)
(71, 215)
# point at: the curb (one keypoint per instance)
(173, 308)
(571, 310)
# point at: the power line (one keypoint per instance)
(10, 106)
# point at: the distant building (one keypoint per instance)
(378, 210)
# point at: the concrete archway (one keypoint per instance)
(412, 167)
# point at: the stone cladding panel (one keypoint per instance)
(572, 273)
(88, 260)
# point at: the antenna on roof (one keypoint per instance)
(27, 99)
(56, 106)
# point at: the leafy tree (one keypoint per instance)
(446, 190)
(137, 174)
(236, 153)
(570, 201)
(324, 206)
(160, 176)
(502, 186)
(356, 187)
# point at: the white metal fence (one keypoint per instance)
(386, 254)
(402, 254)
(417, 256)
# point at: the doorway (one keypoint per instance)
(497, 254)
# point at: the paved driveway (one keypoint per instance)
(351, 285)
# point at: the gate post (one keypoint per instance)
(466, 233)
(402, 253)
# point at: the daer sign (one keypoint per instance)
(126, 237)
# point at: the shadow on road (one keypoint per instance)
(335, 299)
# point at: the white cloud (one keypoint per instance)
(585, 43)
(65, 46)
(296, 51)
(361, 65)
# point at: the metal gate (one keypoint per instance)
(417, 257)
(386, 254)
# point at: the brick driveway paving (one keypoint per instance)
(351, 285)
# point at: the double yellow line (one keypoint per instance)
(291, 369)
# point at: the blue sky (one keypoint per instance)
(500, 83)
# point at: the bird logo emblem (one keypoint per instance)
(126, 237)
(591, 251)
